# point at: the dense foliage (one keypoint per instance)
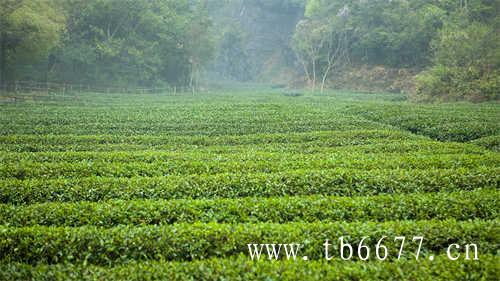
(109, 42)
(253, 38)
(174, 186)
(242, 269)
(460, 205)
(110, 246)
(453, 45)
(467, 64)
(457, 40)
(28, 31)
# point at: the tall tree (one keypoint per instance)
(322, 41)
(307, 43)
(28, 30)
(200, 42)
(134, 42)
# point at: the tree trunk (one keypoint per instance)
(191, 77)
(306, 71)
(331, 63)
(325, 75)
(3, 61)
(313, 86)
(306, 68)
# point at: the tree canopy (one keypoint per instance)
(456, 40)
(452, 44)
(99, 41)
(28, 31)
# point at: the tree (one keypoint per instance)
(466, 64)
(134, 42)
(254, 38)
(338, 40)
(28, 30)
(200, 43)
(232, 60)
(307, 42)
(322, 42)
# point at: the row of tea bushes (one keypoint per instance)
(340, 182)
(478, 204)
(241, 268)
(243, 163)
(106, 246)
(50, 142)
(250, 152)
(451, 122)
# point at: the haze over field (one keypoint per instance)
(430, 50)
(249, 140)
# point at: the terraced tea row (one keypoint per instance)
(216, 128)
(343, 182)
(186, 119)
(388, 146)
(250, 114)
(174, 187)
(108, 246)
(491, 142)
(252, 151)
(441, 268)
(30, 143)
(449, 122)
(479, 204)
(251, 162)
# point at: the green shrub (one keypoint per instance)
(443, 83)
(466, 64)
(342, 182)
(106, 246)
(458, 205)
(460, 122)
(491, 142)
(177, 164)
(241, 268)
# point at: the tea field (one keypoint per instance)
(174, 187)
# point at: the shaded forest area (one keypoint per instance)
(434, 50)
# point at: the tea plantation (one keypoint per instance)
(174, 187)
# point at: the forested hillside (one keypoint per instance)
(433, 50)
(455, 43)
(105, 41)
(254, 38)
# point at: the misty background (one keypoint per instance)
(430, 50)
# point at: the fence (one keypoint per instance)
(62, 88)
